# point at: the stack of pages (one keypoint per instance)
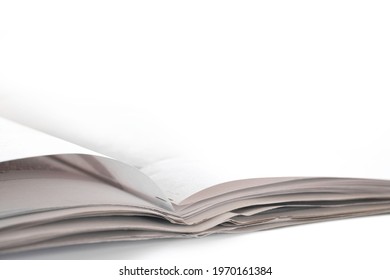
(55, 193)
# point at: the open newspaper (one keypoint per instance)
(55, 193)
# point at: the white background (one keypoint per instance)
(297, 87)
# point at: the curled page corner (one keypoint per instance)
(19, 142)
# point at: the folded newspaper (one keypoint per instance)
(55, 193)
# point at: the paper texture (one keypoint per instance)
(161, 186)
